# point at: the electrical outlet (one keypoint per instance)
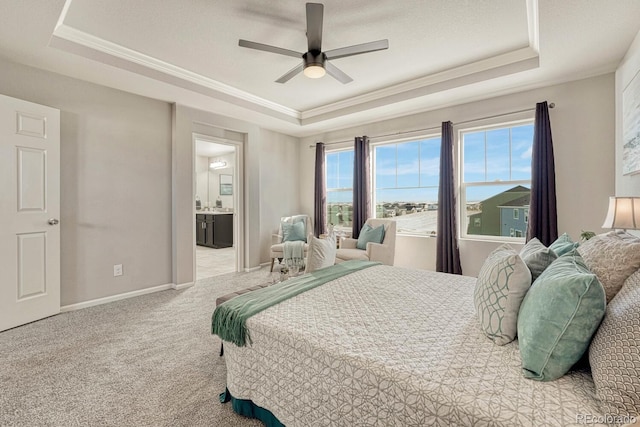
(117, 270)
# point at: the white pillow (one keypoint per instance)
(321, 252)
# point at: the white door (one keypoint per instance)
(29, 212)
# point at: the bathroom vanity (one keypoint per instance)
(214, 229)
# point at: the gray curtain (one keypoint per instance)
(361, 191)
(447, 253)
(543, 215)
(320, 194)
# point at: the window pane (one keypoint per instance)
(474, 157)
(332, 170)
(339, 214)
(414, 210)
(345, 172)
(521, 144)
(430, 162)
(406, 187)
(490, 209)
(385, 167)
(498, 155)
(408, 164)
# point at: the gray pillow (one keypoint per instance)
(614, 353)
(502, 283)
(537, 257)
(613, 257)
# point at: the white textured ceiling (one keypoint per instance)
(441, 52)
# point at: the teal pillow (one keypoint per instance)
(563, 244)
(537, 257)
(293, 231)
(558, 317)
(370, 234)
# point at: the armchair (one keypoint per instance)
(277, 245)
(382, 252)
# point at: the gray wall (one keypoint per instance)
(115, 182)
(128, 182)
(583, 133)
(279, 184)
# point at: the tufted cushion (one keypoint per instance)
(613, 257)
(558, 317)
(501, 285)
(614, 353)
(537, 257)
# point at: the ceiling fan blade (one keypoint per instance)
(357, 49)
(337, 73)
(314, 26)
(269, 48)
(289, 75)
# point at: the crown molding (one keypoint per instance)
(455, 76)
(92, 42)
(79, 42)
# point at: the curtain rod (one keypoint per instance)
(551, 105)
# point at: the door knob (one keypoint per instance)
(53, 221)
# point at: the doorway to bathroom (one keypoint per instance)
(216, 205)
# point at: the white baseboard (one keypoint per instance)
(182, 285)
(250, 269)
(112, 298)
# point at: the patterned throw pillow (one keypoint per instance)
(558, 317)
(502, 283)
(537, 257)
(614, 353)
(613, 257)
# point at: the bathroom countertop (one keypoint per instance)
(214, 213)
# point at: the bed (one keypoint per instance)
(388, 346)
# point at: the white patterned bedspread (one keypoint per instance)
(388, 346)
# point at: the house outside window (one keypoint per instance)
(339, 181)
(406, 176)
(495, 180)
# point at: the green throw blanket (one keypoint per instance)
(229, 320)
(294, 253)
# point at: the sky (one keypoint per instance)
(409, 171)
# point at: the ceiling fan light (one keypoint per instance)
(314, 71)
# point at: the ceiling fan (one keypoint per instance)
(315, 62)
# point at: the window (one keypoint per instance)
(339, 165)
(405, 183)
(495, 170)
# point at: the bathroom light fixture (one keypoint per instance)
(218, 164)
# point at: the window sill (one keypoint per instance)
(494, 239)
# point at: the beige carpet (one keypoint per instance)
(144, 361)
